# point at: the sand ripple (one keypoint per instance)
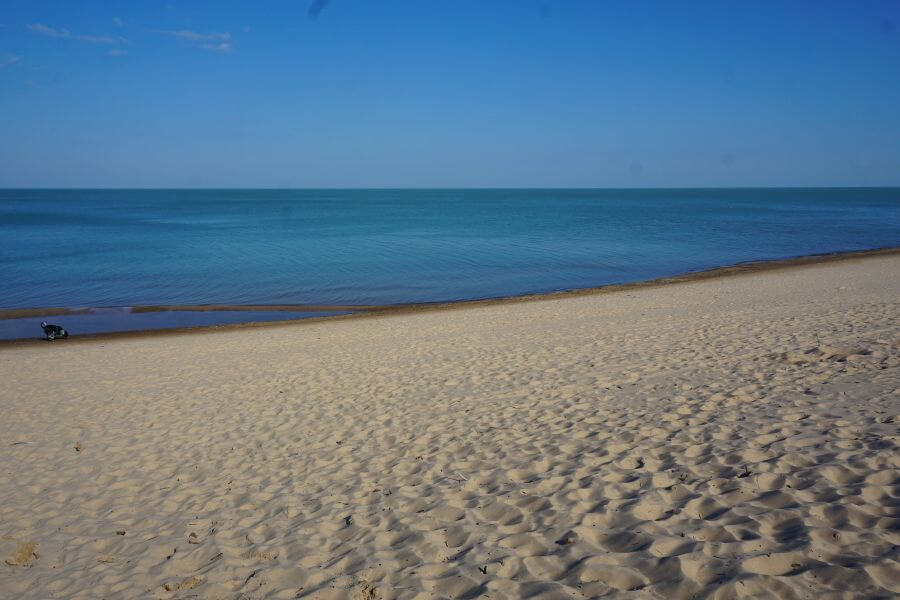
(718, 439)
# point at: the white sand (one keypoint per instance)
(725, 438)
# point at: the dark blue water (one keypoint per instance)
(131, 247)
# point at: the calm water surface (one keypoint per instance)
(130, 247)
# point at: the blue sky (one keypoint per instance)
(449, 93)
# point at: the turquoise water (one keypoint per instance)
(106, 248)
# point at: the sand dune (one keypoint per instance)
(724, 438)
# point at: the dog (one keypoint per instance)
(53, 331)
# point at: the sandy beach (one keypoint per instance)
(732, 437)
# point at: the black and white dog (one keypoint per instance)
(53, 331)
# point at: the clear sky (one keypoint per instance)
(449, 93)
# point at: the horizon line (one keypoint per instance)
(450, 188)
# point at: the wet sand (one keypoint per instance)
(724, 437)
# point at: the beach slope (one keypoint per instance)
(720, 438)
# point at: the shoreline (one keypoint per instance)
(359, 311)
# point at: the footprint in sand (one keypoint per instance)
(185, 584)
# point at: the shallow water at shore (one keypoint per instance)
(108, 320)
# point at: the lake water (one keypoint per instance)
(120, 248)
